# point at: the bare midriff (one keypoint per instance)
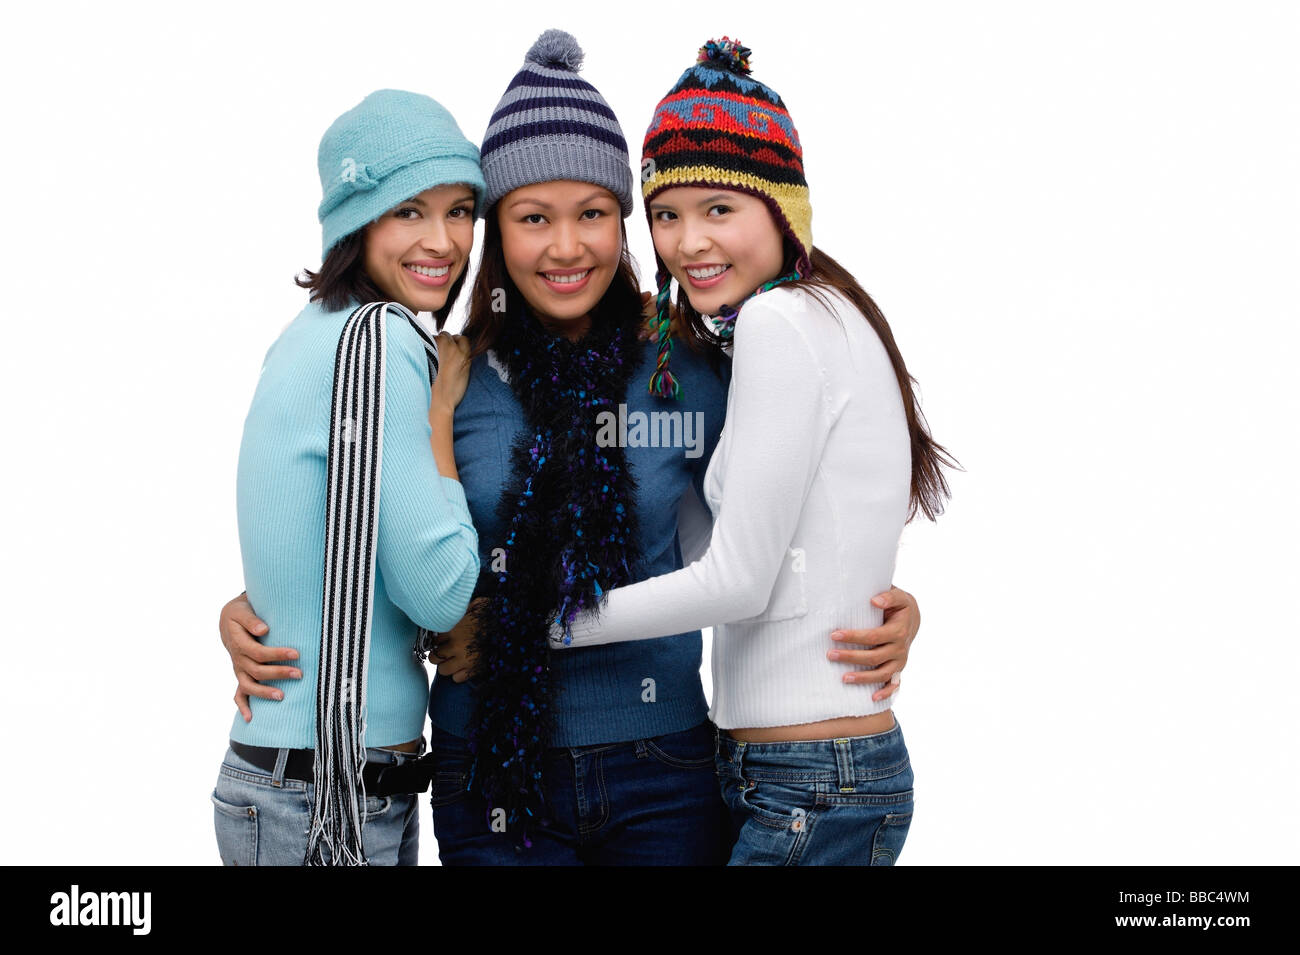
(824, 729)
(412, 747)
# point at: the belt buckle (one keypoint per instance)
(412, 776)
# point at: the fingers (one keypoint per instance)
(448, 342)
(240, 611)
(886, 633)
(866, 658)
(901, 609)
(893, 597)
(250, 687)
(882, 674)
(244, 616)
(246, 646)
(241, 701)
(888, 690)
(456, 667)
(264, 674)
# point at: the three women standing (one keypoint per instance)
(601, 755)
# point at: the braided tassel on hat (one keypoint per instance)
(662, 382)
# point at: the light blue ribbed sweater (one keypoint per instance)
(427, 552)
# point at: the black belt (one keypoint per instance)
(380, 779)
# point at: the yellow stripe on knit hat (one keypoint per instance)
(792, 200)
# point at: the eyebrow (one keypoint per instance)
(467, 197)
(707, 200)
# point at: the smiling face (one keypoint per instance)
(416, 250)
(719, 245)
(562, 243)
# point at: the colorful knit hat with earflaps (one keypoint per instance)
(717, 127)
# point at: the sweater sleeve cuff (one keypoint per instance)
(455, 493)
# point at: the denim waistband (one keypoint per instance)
(373, 755)
(845, 761)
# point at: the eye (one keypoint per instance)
(724, 209)
(590, 214)
(461, 212)
(402, 212)
(662, 213)
(534, 218)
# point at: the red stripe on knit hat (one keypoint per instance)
(760, 109)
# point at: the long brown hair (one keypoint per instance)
(343, 279)
(929, 487)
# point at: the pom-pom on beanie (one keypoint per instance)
(391, 146)
(551, 124)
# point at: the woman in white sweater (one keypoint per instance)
(823, 459)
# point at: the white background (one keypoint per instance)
(1081, 221)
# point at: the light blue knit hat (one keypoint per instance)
(391, 146)
(552, 124)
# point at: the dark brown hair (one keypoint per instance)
(343, 279)
(929, 486)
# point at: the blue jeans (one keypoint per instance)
(650, 801)
(263, 819)
(825, 802)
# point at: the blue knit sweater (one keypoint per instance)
(602, 692)
(427, 548)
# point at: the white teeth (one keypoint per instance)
(567, 279)
(432, 273)
(707, 273)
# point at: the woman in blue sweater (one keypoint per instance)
(619, 735)
(401, 186)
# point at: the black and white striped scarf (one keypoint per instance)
(351, 528)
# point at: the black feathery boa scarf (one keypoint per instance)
(571, 535)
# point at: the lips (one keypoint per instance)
(433, 276)
(706, 275)
(566, 281)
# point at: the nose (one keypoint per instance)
(436, 240)
(693, 239)
(565, 245)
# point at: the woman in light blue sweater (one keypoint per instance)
(401, 188)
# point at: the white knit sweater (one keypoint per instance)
(809, 492)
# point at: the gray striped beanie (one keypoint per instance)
(551, 124)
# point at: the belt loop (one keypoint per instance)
(281, 761)
(844, 764)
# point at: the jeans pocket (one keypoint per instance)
(236, 828)
(690, 749)
(449, 786)
(776, 804)
(452, 760)
(889, 839)
(376, 807)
